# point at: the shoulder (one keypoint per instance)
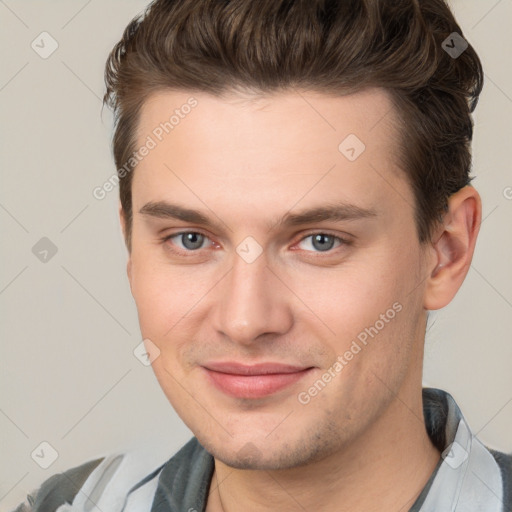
(59, 489)
(105, 480)
(504, 461)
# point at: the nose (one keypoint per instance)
(251, 302)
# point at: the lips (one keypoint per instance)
(253, 381)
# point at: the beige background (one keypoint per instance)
(68, 373)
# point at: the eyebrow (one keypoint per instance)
(331, 212)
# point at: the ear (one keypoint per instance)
(122, 219)
(453, 248)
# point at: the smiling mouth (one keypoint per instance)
(253, 381)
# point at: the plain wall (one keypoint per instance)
(69, 325)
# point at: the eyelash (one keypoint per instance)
(188, 253)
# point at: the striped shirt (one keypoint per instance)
(468, 478)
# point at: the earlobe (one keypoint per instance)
(454, 248)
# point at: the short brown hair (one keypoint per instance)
(331, 46)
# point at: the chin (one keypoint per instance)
(253, 456)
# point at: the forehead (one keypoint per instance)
(269, 150)
(292, 116)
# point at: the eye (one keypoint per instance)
(188, 240)
(321, 242)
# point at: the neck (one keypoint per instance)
(383, 470)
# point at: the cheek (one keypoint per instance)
(354, 295)
(368, 306)
(159, 297)
(167, 299)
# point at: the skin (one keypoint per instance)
(246, 162)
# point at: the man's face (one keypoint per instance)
(251, 311)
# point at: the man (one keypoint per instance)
(295, 197)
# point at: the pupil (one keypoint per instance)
(322, 239)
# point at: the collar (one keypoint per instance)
(468, 478)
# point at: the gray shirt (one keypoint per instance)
(468, 478)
